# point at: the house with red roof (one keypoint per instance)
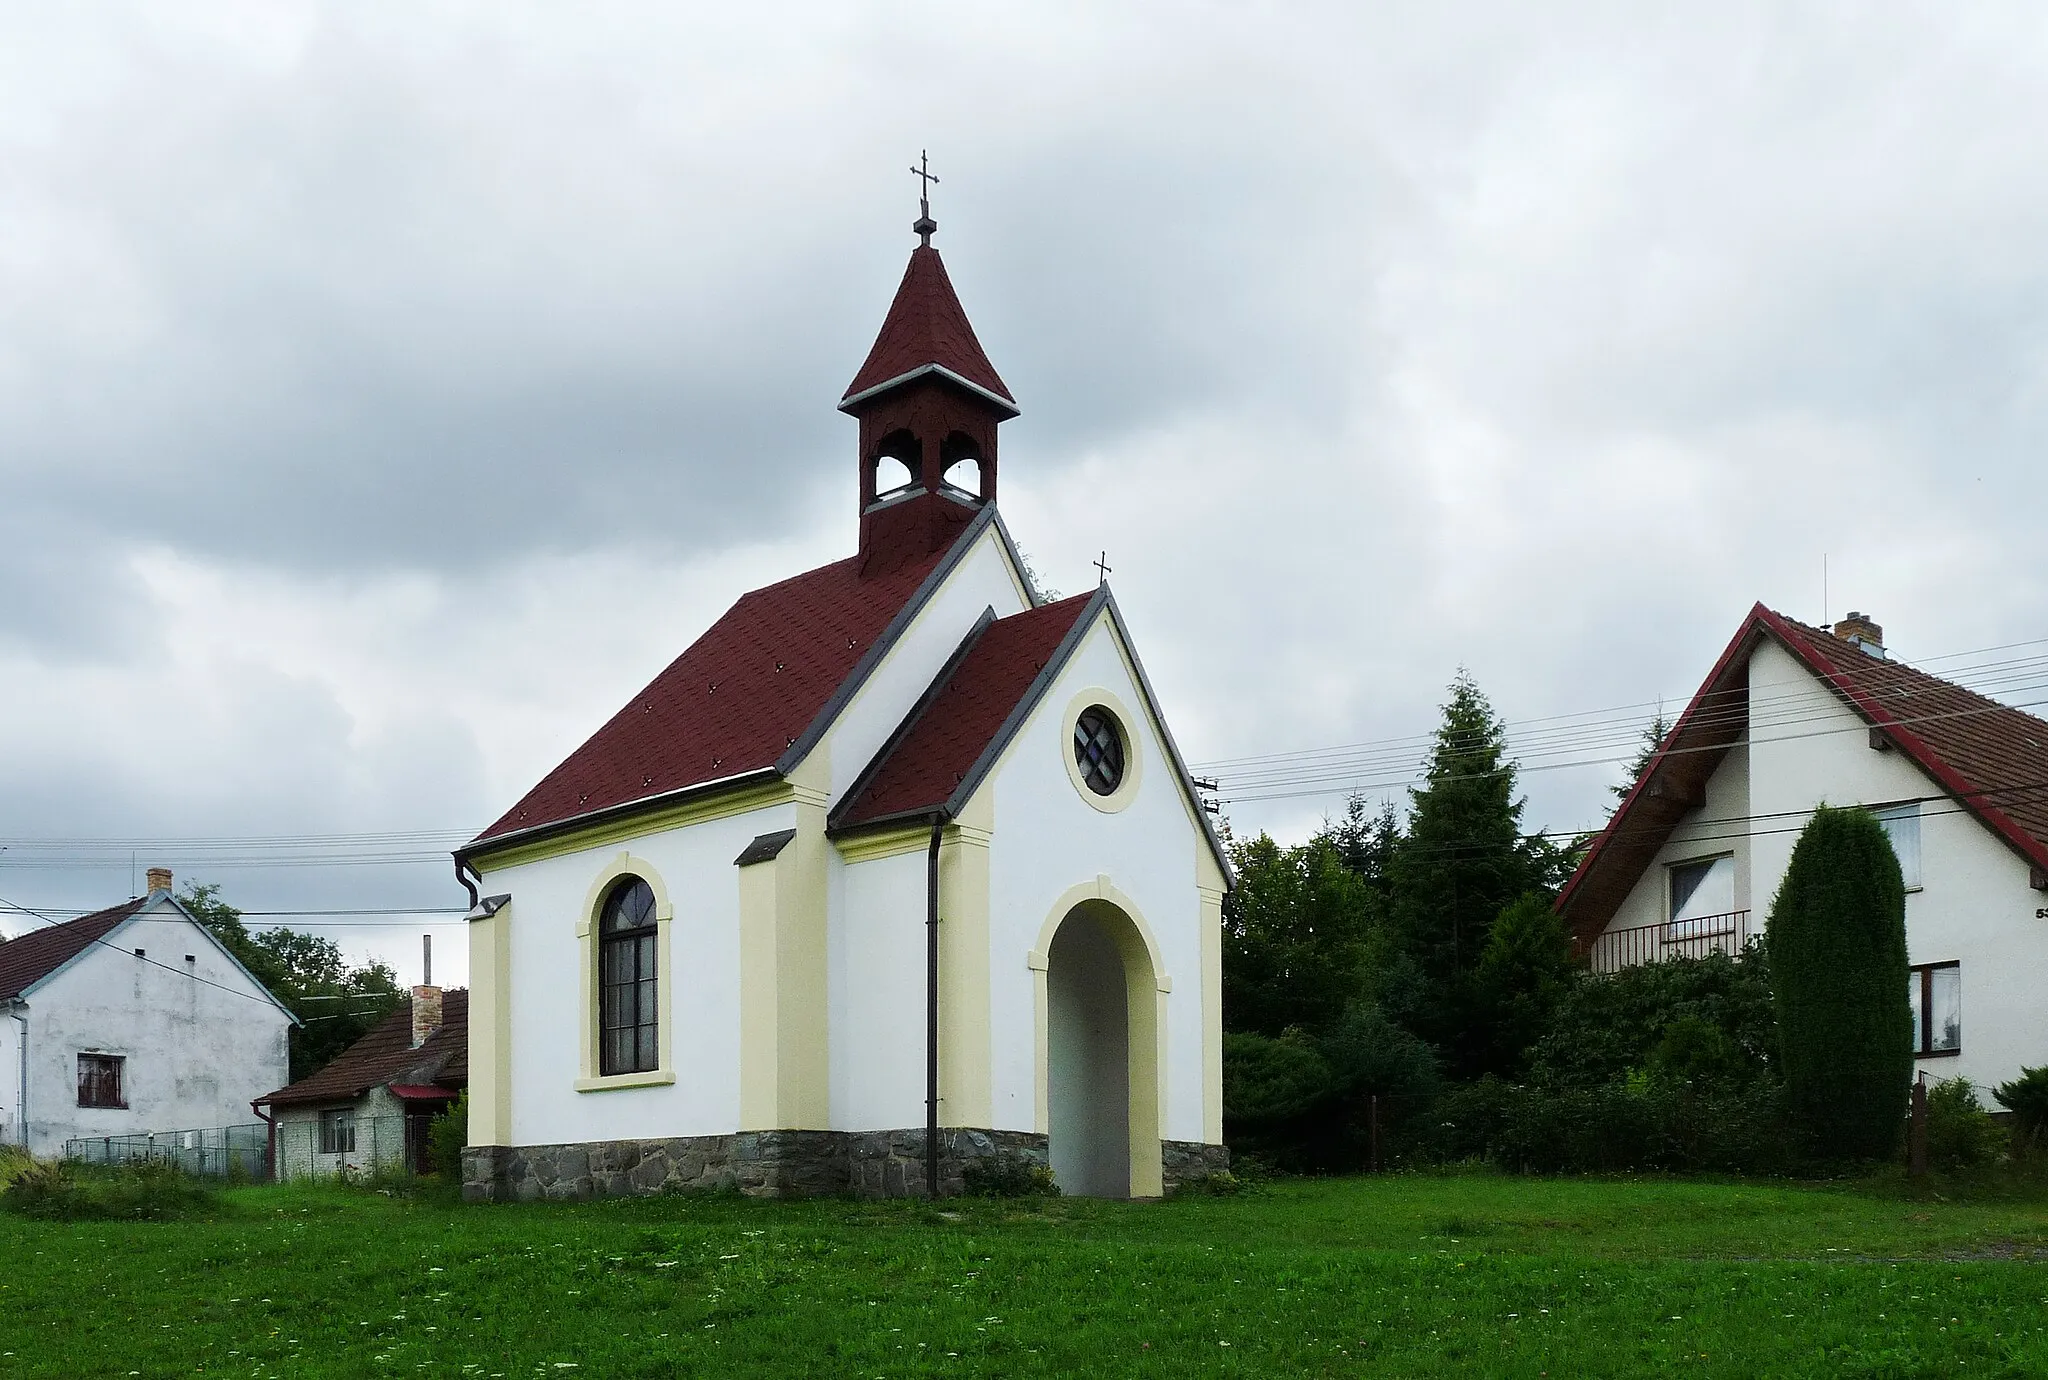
(1793, 716)
(370, 1108)
(894, 867)
(131, 1020)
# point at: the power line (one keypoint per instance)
(267, 999)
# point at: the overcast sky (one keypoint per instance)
(388, 391)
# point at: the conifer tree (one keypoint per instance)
(1462, 861)
(1837, 944)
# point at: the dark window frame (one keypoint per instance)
(103, 1080)
(628, 981)
(1922, 977)
(337, 1130)
(1101, 750)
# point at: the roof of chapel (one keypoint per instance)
(968, 715)
(749, 696)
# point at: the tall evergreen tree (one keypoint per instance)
(1462, 861)
(1837, 944)
(1654, 734)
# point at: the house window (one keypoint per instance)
(1902, 826)
(1935, 992)
(99, 1080)
(338, 1131)
(1702, 887)
(628, 1027)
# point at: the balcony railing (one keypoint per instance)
(1694, 937)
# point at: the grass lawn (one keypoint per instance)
(1403, 1275)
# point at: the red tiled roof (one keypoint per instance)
(29, 958)
(1990, 757)
(385, 1055)
(737, 699)
(925, 766)
(926, 325)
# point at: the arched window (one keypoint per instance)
(899, 464)
(628, 1028)
(960, 463)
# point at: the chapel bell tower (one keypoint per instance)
(928, 402)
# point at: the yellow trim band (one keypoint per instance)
(737, 801)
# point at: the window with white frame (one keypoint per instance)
(1702, 895)
(338, 1131)
(1902, 826)
(1935, 992)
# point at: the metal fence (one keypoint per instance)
(216, 1152)
(1697, 937)
(373, 1145)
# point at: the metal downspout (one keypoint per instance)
(269, 1141)
(931, 1012)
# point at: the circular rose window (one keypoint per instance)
(1099, 750)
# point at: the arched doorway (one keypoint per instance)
(1101, 1052)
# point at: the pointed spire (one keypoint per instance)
(926, 331)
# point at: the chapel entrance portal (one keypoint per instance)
(1102, 1069)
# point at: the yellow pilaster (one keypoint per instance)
(490, 1029)
(966, 1086)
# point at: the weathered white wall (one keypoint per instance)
(196, 1055)
(981, 581)
(10, 1078)
(1974, 904)
(876, 965)
(700, 989)
(380, 1139)
(1047, 840)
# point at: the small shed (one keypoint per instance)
(370, 1109)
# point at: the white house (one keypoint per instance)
(894, 847)
(1794, 716)
(133, 1019)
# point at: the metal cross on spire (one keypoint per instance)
(1102, 568)
(924, 225)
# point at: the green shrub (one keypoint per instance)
(446, 1138)
(1007, 1174)
(1837, 941)
(1603, 1029)
(1960, 1133)
(142, 1190)
(1305, 1102)
(2026, 1097)
(1221, 1184)
(13, 1160)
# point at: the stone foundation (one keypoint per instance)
(768, 1164)
(762, 1164)
(1182, 1160)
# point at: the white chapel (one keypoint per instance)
(895, 867)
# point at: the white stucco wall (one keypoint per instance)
(10, 1076)
(982, 580)
(1717, 826)
(700, 990)
(876, 965)
(1974, 904)
(195, 1055)
(1049, 839)
(380, 1139)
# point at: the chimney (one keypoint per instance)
(426, 1013)
(159, 880)
(1861, 633)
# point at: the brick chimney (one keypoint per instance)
(1861, 633)
(426, 1013)
(159, 879)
